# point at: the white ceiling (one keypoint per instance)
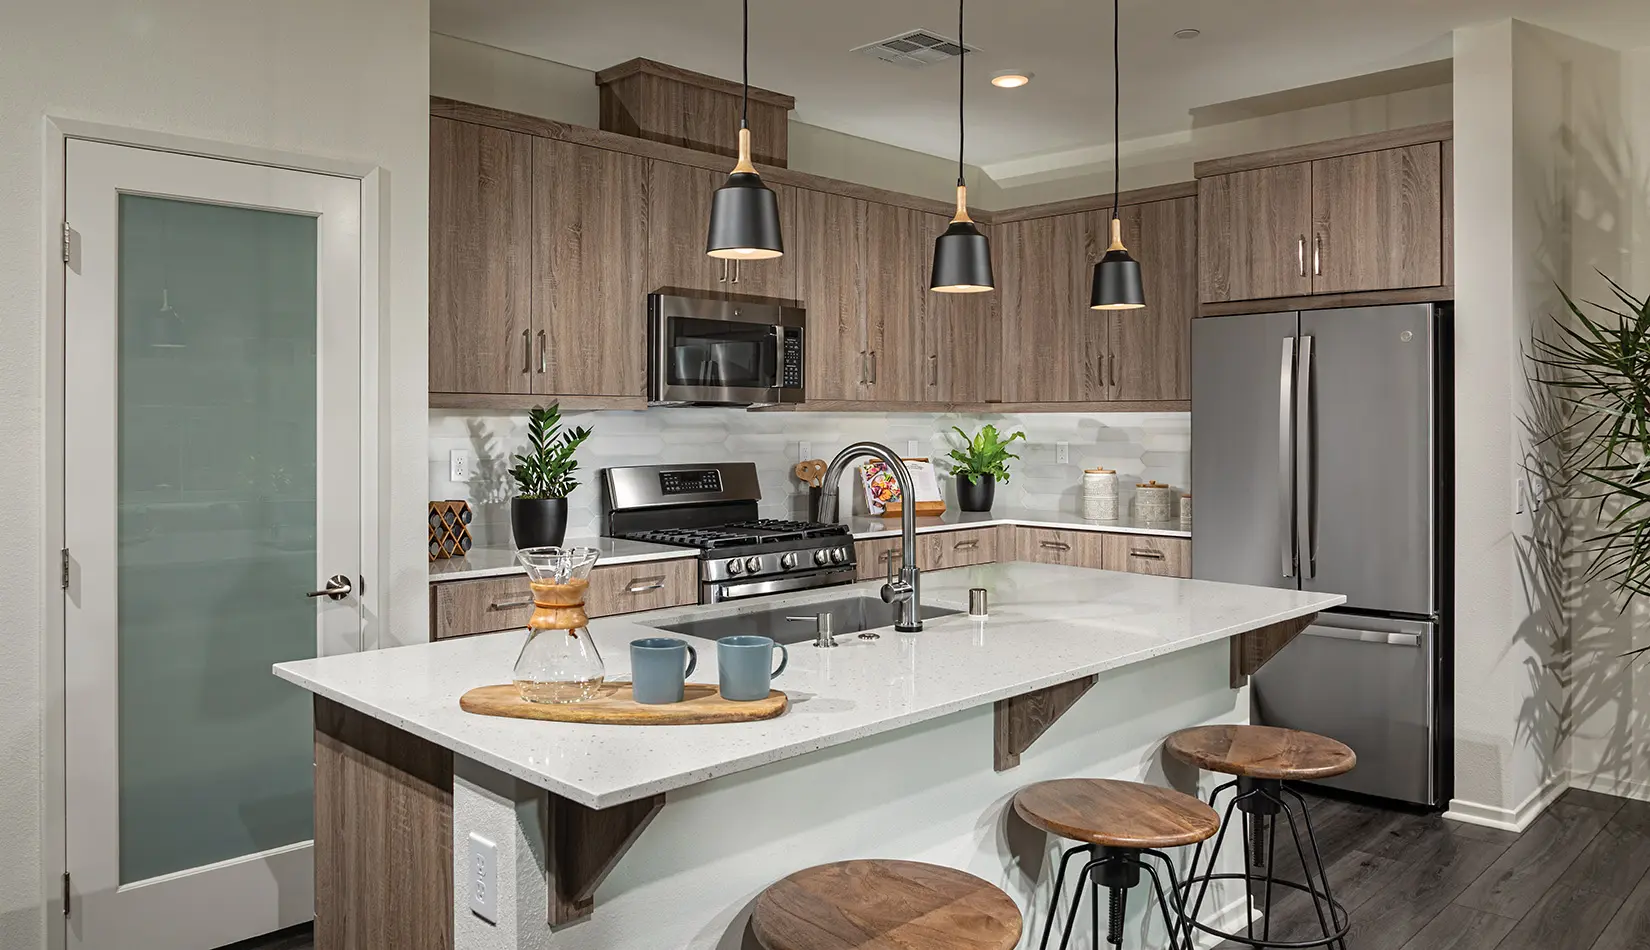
(1248, 48)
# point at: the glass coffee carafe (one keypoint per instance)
(559, 662)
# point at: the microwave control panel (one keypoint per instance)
(791, 359)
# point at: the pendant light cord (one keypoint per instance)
(962, 69)
(1116, 110)
(745, 67)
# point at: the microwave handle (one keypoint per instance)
(778, 356)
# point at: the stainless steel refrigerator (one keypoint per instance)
(1320, 462)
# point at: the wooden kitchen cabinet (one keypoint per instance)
(1059, 546)
(1053, 344)
(590, 248)
(1253, 230)
(962, 334)
(1150, 350)
(894, 290)
(1377, 220)
(936, 551)
(871, 557)
(481, 224)
(489, 604)
(1147, 554)
(678, 217)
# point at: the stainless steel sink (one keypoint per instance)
(848, 615)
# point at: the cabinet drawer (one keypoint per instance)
(1143, 554)
(1054, 546)
(936, 552)
(871, 557)
(627, 588)
(489, 604)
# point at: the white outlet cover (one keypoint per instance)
(804, 451)
(1062, 453)
(458, 465)
(483, 878)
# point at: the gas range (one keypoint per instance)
(712, 507)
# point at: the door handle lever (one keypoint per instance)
(338, 587)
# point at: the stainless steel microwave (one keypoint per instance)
(723, 353)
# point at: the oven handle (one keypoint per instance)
(778, 585)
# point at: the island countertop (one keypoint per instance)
(1049, 625)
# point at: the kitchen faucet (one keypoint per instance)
(906, 591)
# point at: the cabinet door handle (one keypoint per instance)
(509, 604)
(642, 585)
(544, 346)
(1111, 363)
(873, 367)
(864, 367)
(724, 276)
(933, 370)
(1317, 255)
(1300, 254)
(527, 351)
(736, 272)
(967, 545)
(887, 556)
(1148, 555)
(1055, 545)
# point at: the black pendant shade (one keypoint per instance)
(744, 213)
(1117, 283)
(962, 255)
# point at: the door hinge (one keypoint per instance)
(65, 568)
(68, 240)
(65, 893)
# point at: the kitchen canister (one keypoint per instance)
(1186, 511)
(1152, 502)
(1099, 494)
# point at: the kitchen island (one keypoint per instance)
(904, 746)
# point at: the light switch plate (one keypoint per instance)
(483, 878)
(458, 465)
(1062, 453)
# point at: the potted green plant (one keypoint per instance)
(544, 478)
(978, 464)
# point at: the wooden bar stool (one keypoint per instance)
(884, 905)
(1262, 758)
(1118, 823)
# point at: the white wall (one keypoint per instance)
(1536, 116)
(343, 81)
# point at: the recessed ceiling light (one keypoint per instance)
(1189, 33)
(1010, 79)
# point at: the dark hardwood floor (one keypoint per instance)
(1577, 879)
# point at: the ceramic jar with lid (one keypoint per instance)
(1099, 494)
(1186, 510)
(1152, 502)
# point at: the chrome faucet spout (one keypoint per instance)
(906, 589)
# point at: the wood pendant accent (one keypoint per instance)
(1022, 720)
(884, 905)
(615, 706)
(585, 845)
(1251, 650)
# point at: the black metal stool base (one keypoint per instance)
(1260, 802)
(1117, 870)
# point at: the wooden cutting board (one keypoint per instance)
(613, 706)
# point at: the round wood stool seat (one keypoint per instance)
(1261, 752)
(1116, 814)
(884, 905)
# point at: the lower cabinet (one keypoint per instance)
(490, 604)
(1147, 554)
(935, 552)
(1134, 553)
(1059, 546)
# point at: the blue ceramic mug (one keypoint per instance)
(744, 667)
(659, 668)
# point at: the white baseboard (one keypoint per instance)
(1232, 918)
(1611, 785)
(1510, 819)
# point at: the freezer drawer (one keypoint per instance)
(1367, 682)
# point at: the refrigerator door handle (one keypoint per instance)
(1306, 459)
(1286, 457)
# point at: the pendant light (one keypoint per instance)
(962, 255)
(744, 214)
(1117, 283)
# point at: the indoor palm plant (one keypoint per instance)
(544, 477)
(978, 464)
(1597, 363)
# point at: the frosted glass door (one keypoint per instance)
(213, 327)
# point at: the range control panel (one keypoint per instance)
(690, 482)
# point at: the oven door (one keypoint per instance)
(722, 353)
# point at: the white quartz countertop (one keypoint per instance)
(873, 526)
(496, 561)
(1048, 625)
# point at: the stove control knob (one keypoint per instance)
(787, 560)
(821, 558)
(838, 555)
(753, 565)
(736, 566)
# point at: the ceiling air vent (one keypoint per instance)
(914, 49)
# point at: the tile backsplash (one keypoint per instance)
(1140, 446)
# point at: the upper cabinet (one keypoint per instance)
(481, 269)
(1149, 351)
(1360, 215)
(678, 203)
(960, 358)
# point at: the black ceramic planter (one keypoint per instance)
(538, 522)
(976, 495)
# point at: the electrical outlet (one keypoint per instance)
(804, 451)
(1521, 491)
(458, 466)
(1538, 495)
(1062, 453)
(912, 447)
(483, 878)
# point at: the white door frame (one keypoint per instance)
(56, 132)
